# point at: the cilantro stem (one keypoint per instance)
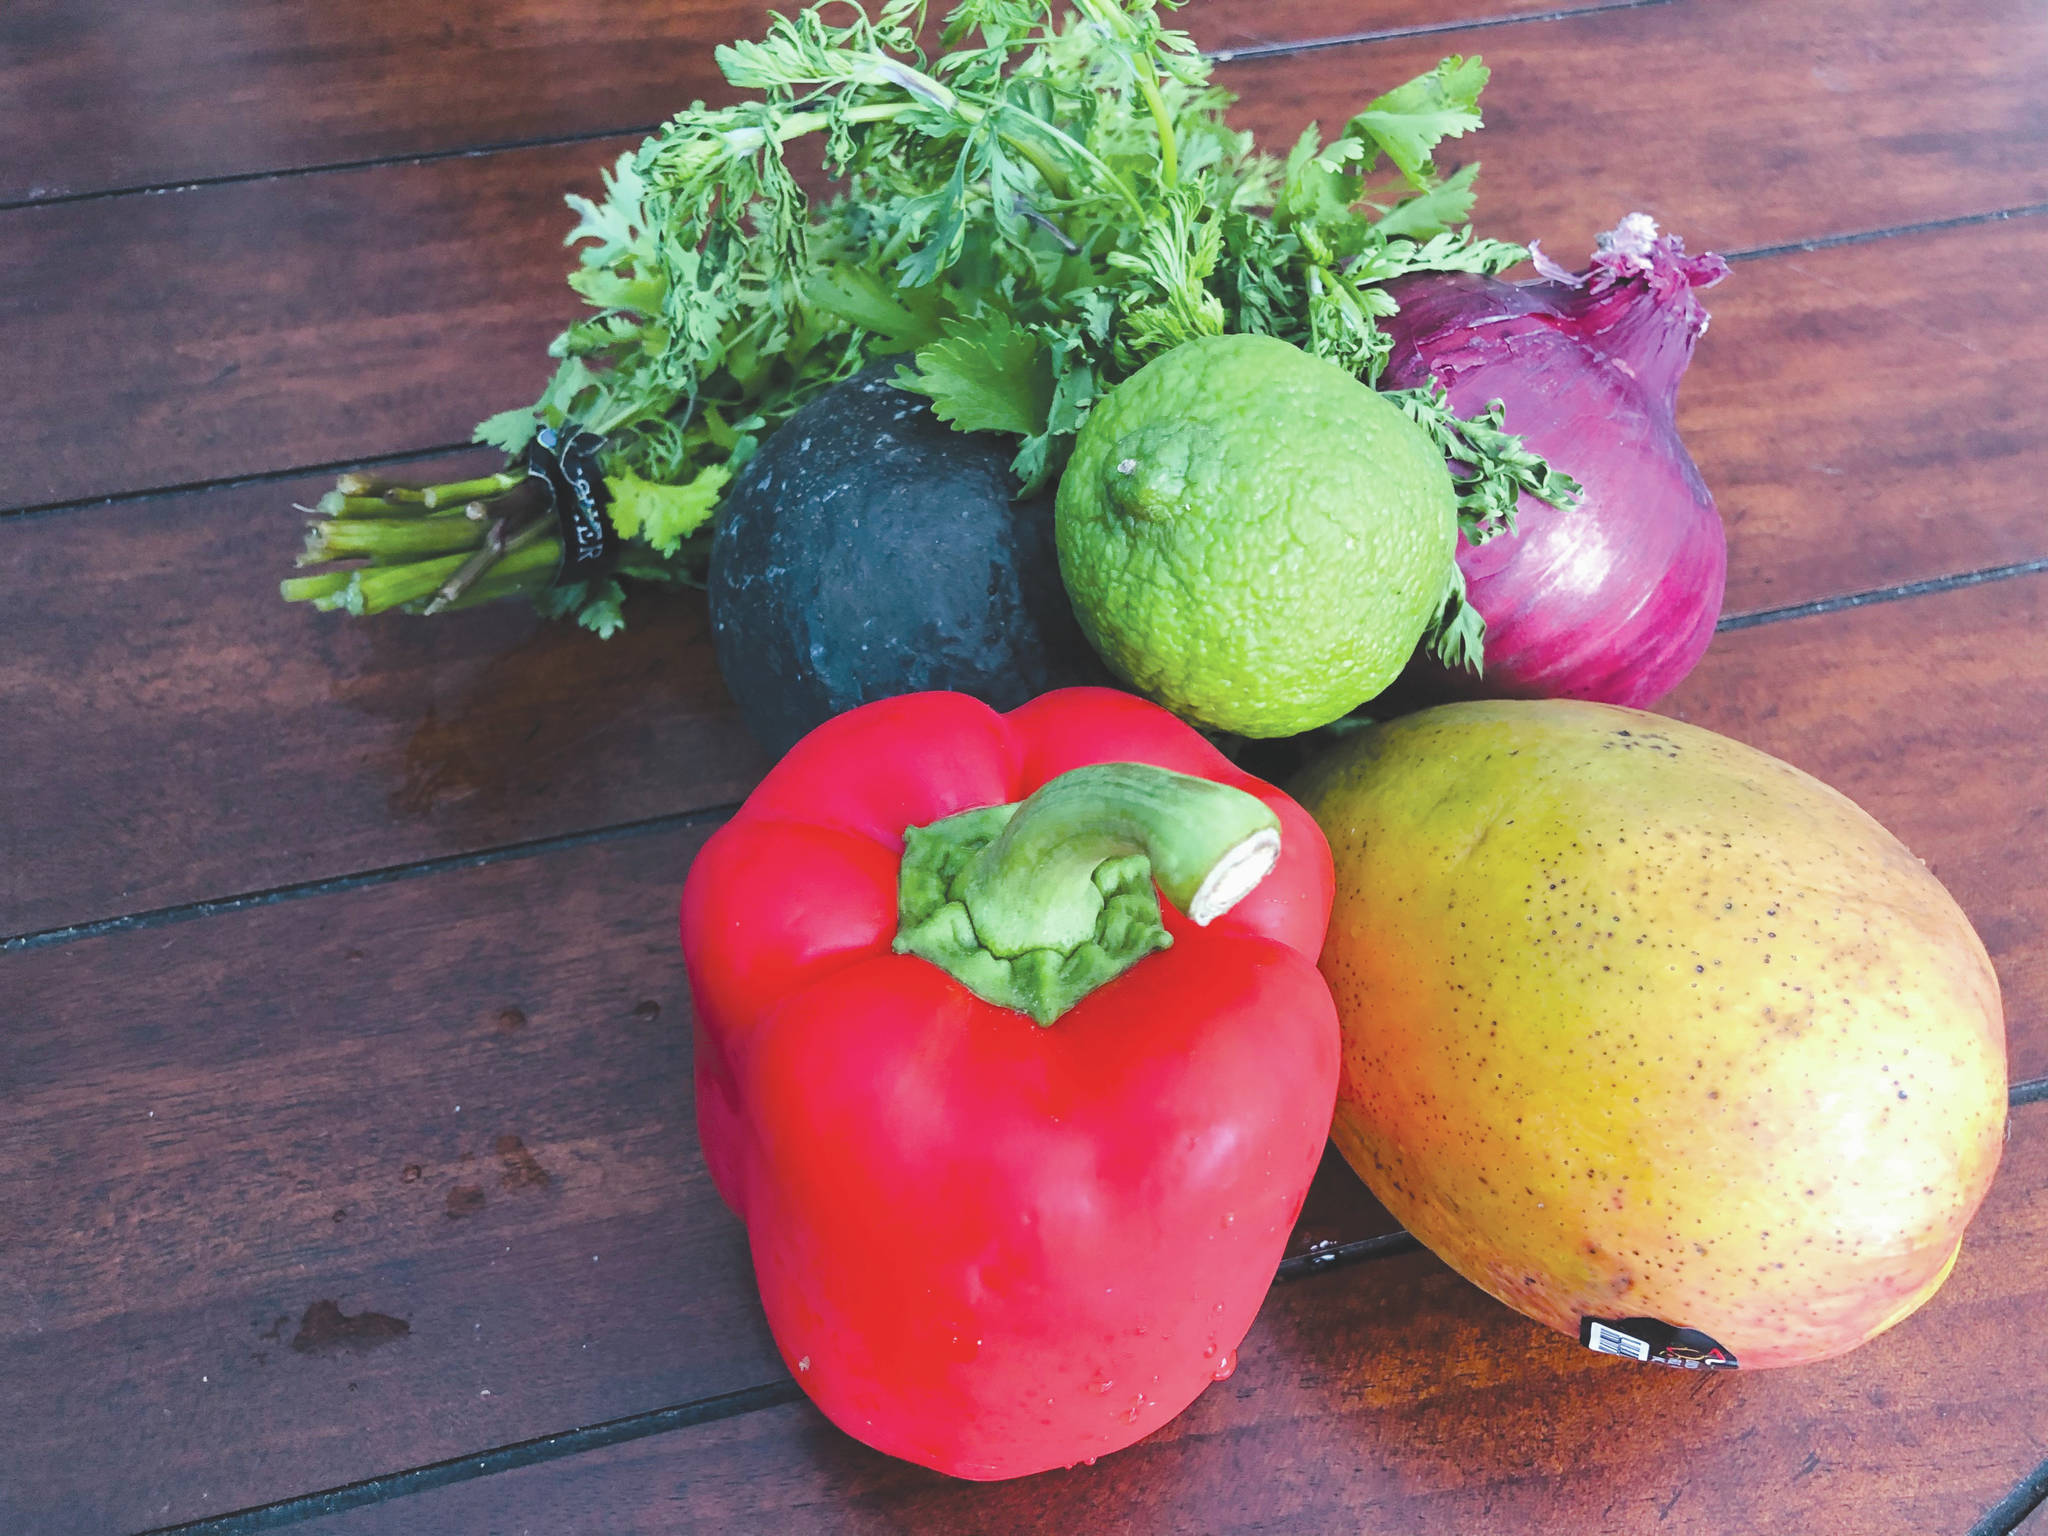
(381, 587)
(304, 589)
(1088, 157)
(469, 490)
(1169, 162)
(745, 141)
(925, 91)
(391, 537)
(1116, 23)
(336, 504)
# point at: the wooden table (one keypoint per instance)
(347, 1173)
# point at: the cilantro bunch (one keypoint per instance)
(1025, 218)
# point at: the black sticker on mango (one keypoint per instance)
(1659, 1343)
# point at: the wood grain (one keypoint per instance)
(1865, 415)
(1394, 1397)
(1929, 713)
(1738, 124)
(285, 745)
(234, 329)
(95, 95)
(176, 732)
(460, 1104)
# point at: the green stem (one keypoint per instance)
(923, 88)
(492, 560)
(512, 576)
(306, 589)
(1032, 887)
(339, 504)
(472, 490)
(392, 537)
(1115, 21)
(1169, 157)
(1033, 906)
(388, 586)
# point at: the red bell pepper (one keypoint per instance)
(984, 1244)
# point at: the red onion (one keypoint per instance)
(1616, 598)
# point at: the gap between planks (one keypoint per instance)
(2006, 1516)
(1423, 29)
(1999, 1520)
(215, 906)
(1218, 56)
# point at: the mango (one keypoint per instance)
(1643, 1026)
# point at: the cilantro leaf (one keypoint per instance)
(1440, 209)
(1316, 187)
(1457, 634)
(1491, 467)
(602, 610)
(1409, 121)
(986, 374)
(903, 318)
(508, 431)
(663, 515)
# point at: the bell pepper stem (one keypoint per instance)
(1033, 906)
(1033, 886)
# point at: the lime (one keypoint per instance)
(1253, 537)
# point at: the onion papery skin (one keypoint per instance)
(1614, 600)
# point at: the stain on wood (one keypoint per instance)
(326, 1330)
(522, 1168)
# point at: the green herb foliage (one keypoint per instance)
(1024, 218)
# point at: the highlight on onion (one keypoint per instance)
(1614, 598)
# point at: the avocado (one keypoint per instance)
(867, 550)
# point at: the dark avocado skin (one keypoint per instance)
(867, 550)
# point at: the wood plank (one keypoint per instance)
(1839, 469)
(1864, 414)
(284, 323)
(1394, 1397)
(324, 1189)
(1738, 124)
(1932, 714)
(329, 317)
(177, 732)
(95, 95)
(216, 1128)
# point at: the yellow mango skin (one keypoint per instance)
(1641, 1022)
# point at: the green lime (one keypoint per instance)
(1253, 537)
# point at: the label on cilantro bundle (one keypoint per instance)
(1659, 1343)
(565, 461)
